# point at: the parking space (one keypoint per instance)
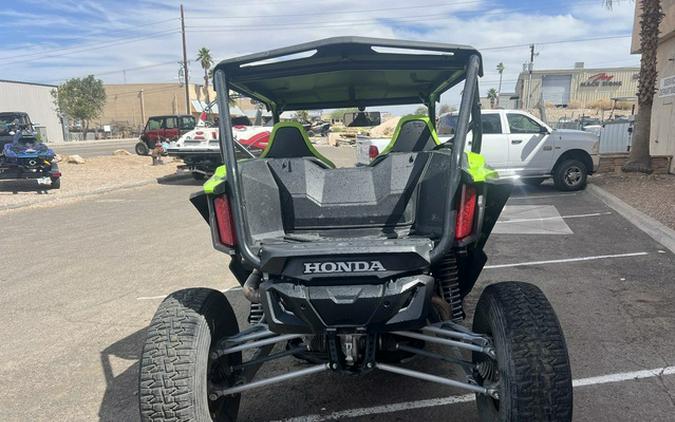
(610, 284)
(76, 318)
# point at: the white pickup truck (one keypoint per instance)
(519, 145)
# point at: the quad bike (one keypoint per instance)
(355, 270)
(25, 157)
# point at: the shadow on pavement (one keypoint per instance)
(16, 186)
(120, 401)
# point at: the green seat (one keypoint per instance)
(290, 140)
(413, 134)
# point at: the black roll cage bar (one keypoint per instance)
(469, 118)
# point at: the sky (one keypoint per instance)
(133, 41)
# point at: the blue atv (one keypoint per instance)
(25, 157)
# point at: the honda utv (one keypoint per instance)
(355, 270)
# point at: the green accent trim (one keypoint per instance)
(219, 176)
(404, 120)
(298, 126)
(477, 168)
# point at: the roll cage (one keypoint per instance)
(351, 72)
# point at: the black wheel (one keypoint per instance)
(56, 183)
(198, 176)
(141, 148)
(570, 175)
(532, 370)
(177, 370)
(533, 181)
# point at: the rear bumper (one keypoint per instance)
(401, 304)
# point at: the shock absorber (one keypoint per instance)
(446, 275)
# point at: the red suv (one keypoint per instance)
(163, 128)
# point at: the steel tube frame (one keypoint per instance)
(465, 110)
(432, 378)
(254, 333)
(455, 334)
(256, 344)
(215, 394)
(232, 168)
(422, 352)
(444, 341)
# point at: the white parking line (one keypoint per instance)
(560, 261)
(523, 220)
(541, 196)
(231, 289)
(444, 401)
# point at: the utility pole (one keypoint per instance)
(185, 63)
(142, 99)
(530, 66)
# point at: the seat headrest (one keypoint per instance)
(290, 140)
(413, 134)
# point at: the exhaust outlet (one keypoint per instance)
(251, 286)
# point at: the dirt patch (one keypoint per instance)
(96, 174)
(654, 195)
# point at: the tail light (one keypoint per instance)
(466, 212)
(224, 220)
(373, 152)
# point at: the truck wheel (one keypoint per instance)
(142, 148)
(570, 175)
(531, 371)
(177, 368)
(56, 183)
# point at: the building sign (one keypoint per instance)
(667, 87)
(600, 80)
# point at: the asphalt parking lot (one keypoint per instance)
(79, 287)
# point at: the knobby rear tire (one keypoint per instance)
(534, 373)
(176, 362)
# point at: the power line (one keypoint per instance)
(95, 47)
(331, 24)
(62, 49)
(421, 6)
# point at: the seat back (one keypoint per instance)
(290, 140)
(413, 134)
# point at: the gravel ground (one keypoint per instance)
(654, 194)
(79, 179)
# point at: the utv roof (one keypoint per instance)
(348, 72)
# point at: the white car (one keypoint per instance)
(518, 145)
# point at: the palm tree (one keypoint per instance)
(492, 96)
(500, 69)
(206, 61)
(639, 159)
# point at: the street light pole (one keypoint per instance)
(185, 63)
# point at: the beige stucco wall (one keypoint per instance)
(123, 102)
(662, 136)
(666, 29)
(37, 101)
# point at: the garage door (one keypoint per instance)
(556, 89)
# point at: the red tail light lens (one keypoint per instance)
(373, 152)
(224, 220)
(466, 212)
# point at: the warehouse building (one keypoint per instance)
(36, 100)
(662, 136)
(128, 106)
(578, 87)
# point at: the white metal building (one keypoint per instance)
(36, 100)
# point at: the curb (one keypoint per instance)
(654, 229)
(158, 180)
